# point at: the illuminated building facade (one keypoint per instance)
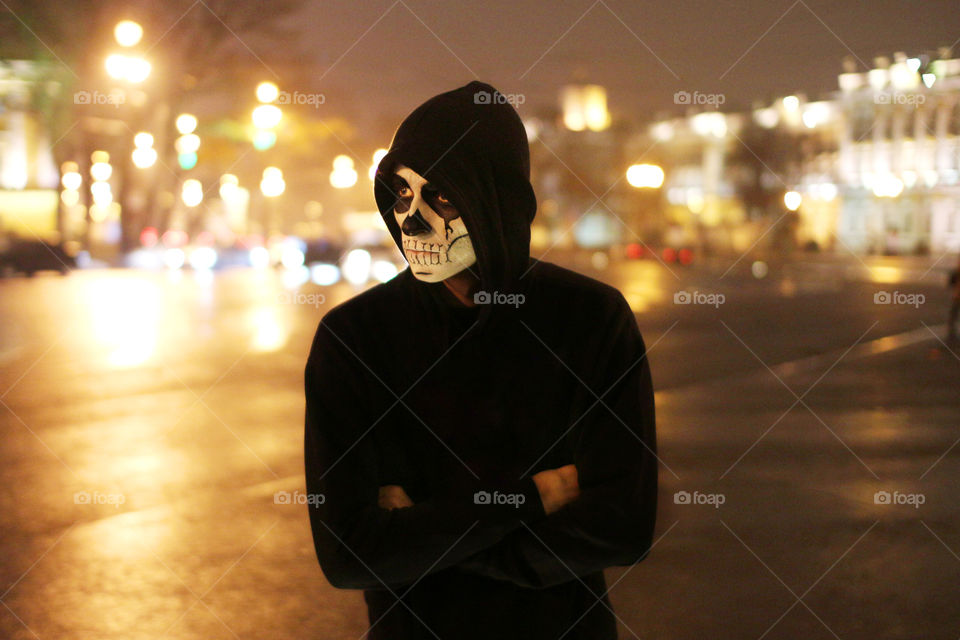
(28, 173)
(877, 164)
(899, 160)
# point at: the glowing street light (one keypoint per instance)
(343, 175)
(263, 139)
(229, 186)
(267, 92)
(101, 171)
(792, 200)
(187, 143)
(102, 194)
(187, 146)
(887, 186)
(143, 140)
(186, 123)
(71, 178)
(272, 184)
(130, 68)
(187, 161)
(128, 33)
(138, 70)
(116, 65)
(267, 116)
(144, 156)
(70, 197)
(645, 176)
(192, 192)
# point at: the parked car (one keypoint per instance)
(30, 256)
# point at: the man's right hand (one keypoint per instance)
(558, 487)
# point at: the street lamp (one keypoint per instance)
(101, 171)
(267, 92)
(186, 123)
(133, 69)
(130, 68)
(188, 143)
(645, 176)
(71, 178)
(887, 186)
(144, 155)
(100, 190)
(192, 192)
(792, 200)
(266, 116)
(229, 186)
(128, 33)
(272, 184)
(343, 175)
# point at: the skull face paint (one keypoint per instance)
(435, 240)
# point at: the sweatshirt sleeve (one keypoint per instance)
(612, 521)
(359, 544)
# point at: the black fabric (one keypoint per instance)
(404, 385)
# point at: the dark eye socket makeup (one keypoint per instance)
(400, 187)
(430, 193)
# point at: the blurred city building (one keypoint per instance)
(28, 172)
(874, 167)
(899, 152)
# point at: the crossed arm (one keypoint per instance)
(556, 487)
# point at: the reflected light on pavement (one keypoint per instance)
(644, 286)
(886, 275)
(268, 333)
(124, 315)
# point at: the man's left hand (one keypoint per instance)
(392, 496)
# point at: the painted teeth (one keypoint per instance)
(425, 253)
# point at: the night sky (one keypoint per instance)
(642, 52)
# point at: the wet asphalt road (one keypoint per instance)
(149, 419)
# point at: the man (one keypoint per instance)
(480, 429)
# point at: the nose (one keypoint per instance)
(415, 225)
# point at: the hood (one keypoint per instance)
(472, 145)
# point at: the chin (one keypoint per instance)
(428, 276)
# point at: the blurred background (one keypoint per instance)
(186, 187)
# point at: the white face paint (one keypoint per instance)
(435, 240)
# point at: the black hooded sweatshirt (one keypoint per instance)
(461, 406)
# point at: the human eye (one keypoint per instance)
(401, 188)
